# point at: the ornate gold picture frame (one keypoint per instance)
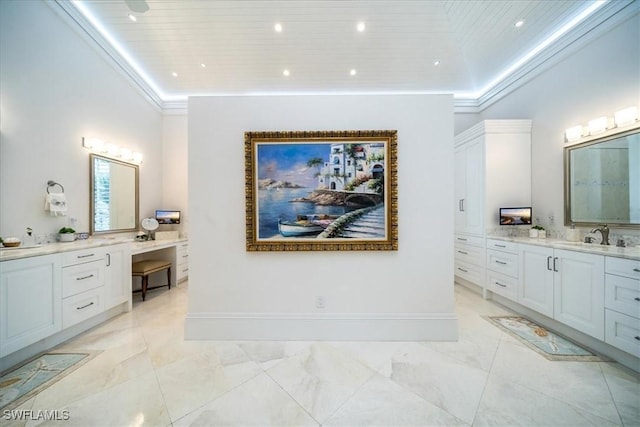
(321, 190)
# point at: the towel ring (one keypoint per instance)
(53, 184)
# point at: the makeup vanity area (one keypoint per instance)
(52, 292)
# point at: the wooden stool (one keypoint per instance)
(145, 268)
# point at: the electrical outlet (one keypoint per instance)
(319, 301)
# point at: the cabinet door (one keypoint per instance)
(469, 188)
(474, 194)
(30, 301)
(536, 285)
(579, 291)
(118, 275)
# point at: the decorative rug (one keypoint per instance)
(23, 382)
(545, 342)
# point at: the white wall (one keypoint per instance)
(236, 294)
(175, 168)
(55, 89)
(597, 79)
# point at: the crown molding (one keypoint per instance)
(603, 20)
(69, 13)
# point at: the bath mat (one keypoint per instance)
(25, 381)
(545, 342)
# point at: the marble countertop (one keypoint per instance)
(7, 254)
(632, 253)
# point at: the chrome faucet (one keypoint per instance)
(604, 231)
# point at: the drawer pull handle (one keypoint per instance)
(185, 270)
(500, 246)
(637, 337)
(463, 270)
(500, 262)
(85, 256)
(84, 277)
(463, 252)
(185, 256)
(555, 259)
(500, 284)
(637, 270)
(85, 306)
(548, 261)
(462, 239)
(637, 299)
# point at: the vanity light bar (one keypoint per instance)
(112, 150)
(625, 117)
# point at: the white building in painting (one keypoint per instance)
(351, 166)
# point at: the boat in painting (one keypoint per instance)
(305, 225)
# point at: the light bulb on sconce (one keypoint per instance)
(622, 118)
(112, 150)
(626, 117)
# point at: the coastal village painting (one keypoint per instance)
(321, 190)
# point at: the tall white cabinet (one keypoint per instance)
(492, 170)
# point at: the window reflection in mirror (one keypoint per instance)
(114, 195)
(602, 181)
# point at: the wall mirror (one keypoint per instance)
(602, 181)
(114, 195)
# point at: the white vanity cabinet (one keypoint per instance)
(117, 275)
(567, 286)
(83, 279)
(536, 278)
(469, 258)
(492, 170)
(579, 291)
(622, 304)
(502, 268)
(30, 301)
(182, 260)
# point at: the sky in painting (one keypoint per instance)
(288, 162)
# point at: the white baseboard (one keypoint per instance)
(321, 327)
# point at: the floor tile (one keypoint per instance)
(440, 379)
(624, 385)
(321, 378)
(510, 404)
(381, 402)
(257, 402)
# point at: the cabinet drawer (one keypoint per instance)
(622, 295)
(469, 254)
(82, 277)
(182, 255)
(79, 257)
(502, 285)
(82, 306)
(502, 262)
(502, 245)
(182, 272)
(469, 240)
(623, 332)
(622, 267)
(470, 272)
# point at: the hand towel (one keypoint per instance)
(56, 204)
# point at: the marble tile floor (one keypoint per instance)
(146, 374)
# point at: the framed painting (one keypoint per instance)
(321, 190)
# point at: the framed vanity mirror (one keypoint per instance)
(114, 199)
(602, 181)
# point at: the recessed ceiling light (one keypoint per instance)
(361, 26)
(174, 74)
(278, 28)
(353, 72)
(132, 17)
(203, 65)
(436, 62)
(285, 72)
(519, 24)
